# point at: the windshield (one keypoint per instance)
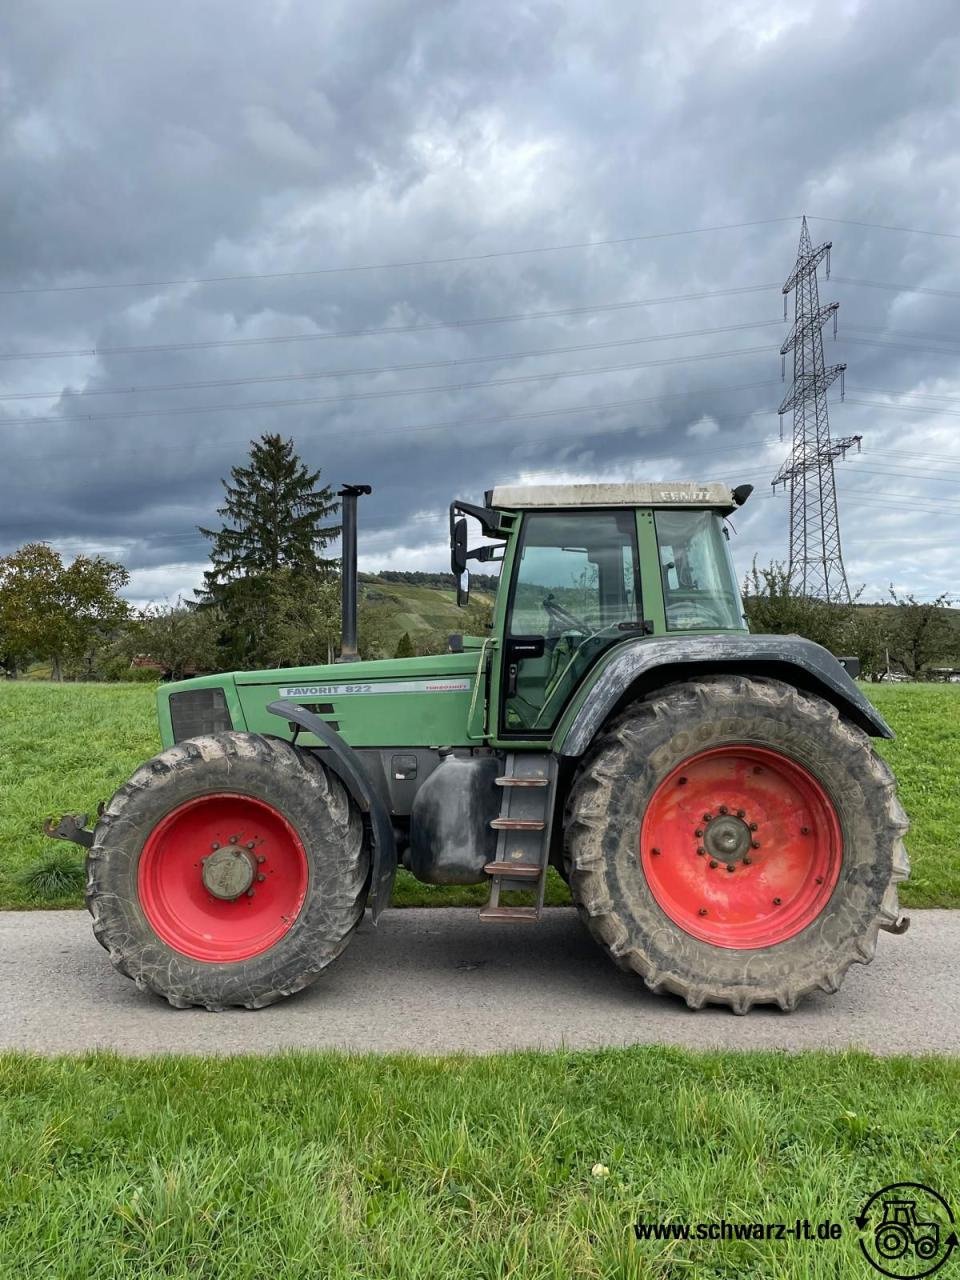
(699, 584)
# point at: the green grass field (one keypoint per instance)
(336, 1166)
(64, 747)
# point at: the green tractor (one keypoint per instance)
(711, 797)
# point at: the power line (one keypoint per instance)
(895, 288)
(391, 368)
(476, 423)
(879, 226)
(393, 266)
(379, 395)
(150, 388)
(459, 323)
(425, 327)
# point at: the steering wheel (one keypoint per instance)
(688, 615)
(558, 613)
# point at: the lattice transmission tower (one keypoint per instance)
(816, 562)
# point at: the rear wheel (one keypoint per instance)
(229, 870)
(733, 840)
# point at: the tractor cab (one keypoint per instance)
(586, 568)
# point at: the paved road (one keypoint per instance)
(439, 981)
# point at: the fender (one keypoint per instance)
(342, 760)
(642, 665)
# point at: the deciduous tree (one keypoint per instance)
(56, 612)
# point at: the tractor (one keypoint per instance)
(902, 1229)
(711, 797)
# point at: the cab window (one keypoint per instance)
(576, 587)
(700, 590)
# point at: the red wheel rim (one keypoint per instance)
(262, 865)
(741, 847)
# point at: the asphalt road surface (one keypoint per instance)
(438, 981)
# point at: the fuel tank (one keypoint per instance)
(451, 839)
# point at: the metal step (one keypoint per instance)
(529, 915)
(523, 841)
(514, 870)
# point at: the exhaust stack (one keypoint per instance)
(348, 571)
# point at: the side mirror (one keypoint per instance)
(458, 547)
(463, 589)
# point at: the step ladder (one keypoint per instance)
(529, 785)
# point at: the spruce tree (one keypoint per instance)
(273, 518)
(273, 529)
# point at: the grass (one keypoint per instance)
(310, 1165)
(65, 747)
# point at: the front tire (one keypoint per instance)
(735, 841)
(229, 871)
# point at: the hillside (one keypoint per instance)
(424, 606)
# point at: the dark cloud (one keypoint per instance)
(175, 141)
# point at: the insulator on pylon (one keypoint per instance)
(843, 378)
(783, 366)
(784, 306)
(828, 262)
(835, 314)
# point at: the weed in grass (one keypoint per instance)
(57, 875)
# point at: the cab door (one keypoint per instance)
(574, 591)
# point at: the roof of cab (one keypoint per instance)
(682, 493)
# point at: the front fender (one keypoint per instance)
(633, 669)
(342, 760)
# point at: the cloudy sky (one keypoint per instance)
(446, 244)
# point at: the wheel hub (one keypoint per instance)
(229, 873)
(727, 839)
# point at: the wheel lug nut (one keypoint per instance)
(741, 813)
(249, 893)
(753, 826)
(707, 817)
(702, 911)
(699, 832)
(261, 878)
(729, 866)
(261, 858)
(249, 844)
(754, 844)
(214, 846)
(701, 850)
(723, 809)
(713, 865)
(233, 839)
(776, 902)
(747, 861)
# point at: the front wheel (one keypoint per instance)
(734, 841)
(229, 870)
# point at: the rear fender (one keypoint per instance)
(634, 669)
(342, 760)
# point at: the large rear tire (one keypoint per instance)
(229, 871)
(735, 841)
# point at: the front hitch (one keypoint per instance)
(72, 827)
